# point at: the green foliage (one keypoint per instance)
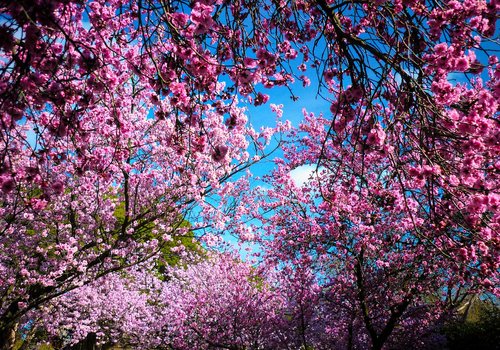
(45, 347)
(167, 255)
(257, 281)
(169, 258)
(479, 329)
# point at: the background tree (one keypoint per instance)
(217, 302)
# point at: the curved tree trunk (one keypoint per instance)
(8, 337)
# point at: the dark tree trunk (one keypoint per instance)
(8, 326)
(377, 345)
(8, 337)
(89, 343)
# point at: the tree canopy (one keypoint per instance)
(125, 135)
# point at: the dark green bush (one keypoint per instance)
(478, 329)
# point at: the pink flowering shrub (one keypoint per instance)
(219, 302)
(119, 308)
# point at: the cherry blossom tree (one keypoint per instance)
(99, 169)
(215, 303)
(60, 227)
(122, 308)
(382, 262)
(135, 103)
(226, 304)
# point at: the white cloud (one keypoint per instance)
(301, 174)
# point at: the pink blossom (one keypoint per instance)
(219, 153)
(462, 64)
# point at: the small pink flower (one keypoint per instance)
(305, 81)
(487, 282)
(38, 204)
(8, 185)
(58, 187)
(201, 17)
(376, 137)
(261, 99)
(179, 19)
(440, 49)
(462, 64)
(249, 62)
(219, 153)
